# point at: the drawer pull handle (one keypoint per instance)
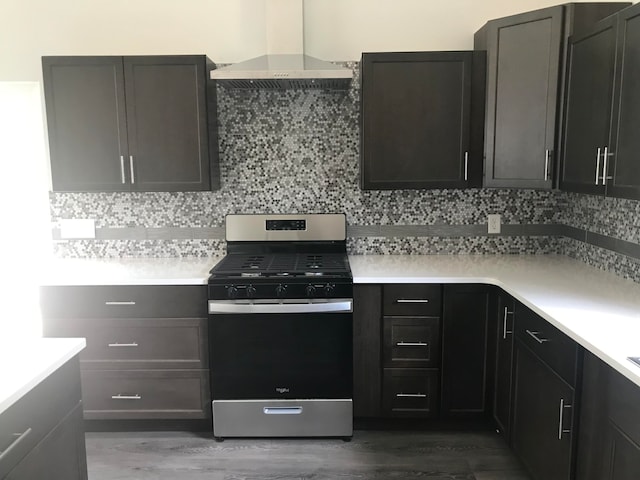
(19, 438)
(411, 344)
(120, 396)
(561, 429)
(505, 332)
(535, 336)
(411, 395)
(412, 300)
(282, 410)
(132, 344)
(129, 302)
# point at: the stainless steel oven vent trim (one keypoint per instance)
(319, 227)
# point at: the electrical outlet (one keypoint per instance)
(493, 223)
(77, 228)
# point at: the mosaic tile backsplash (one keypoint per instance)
(298, 151)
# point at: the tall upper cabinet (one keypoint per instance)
(601, 143)
(525, 59)
(139, 123)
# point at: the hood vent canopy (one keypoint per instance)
(285, 65)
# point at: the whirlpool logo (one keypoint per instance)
(282, 390)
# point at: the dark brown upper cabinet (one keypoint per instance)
(140, 123)
(603, 109)
(525, 72)
(416, 120)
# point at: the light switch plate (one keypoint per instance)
(78, 228)
(493, 223)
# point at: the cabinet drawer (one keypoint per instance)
(551, 345)
(124, 301)
(25, 423)
(137, 343)
(410, 392)
(145, 394)
(412, 299)
(411, 341)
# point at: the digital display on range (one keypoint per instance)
(286, 224)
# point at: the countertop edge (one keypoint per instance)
(67, 349)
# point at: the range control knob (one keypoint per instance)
(281, 291)
(311, 290)
(232, 292)
(251, 291)
(328, 289)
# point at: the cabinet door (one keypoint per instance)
(624, 169)
(465, 327)
(505, 319)
(86, 122)
(415, 119)
(367, 363)
(167, 123)
(523, 60)
(588, 108)
(61, 454)
(541, 432)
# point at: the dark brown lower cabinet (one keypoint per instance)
(466, 378)
(411, 392)
(42, 433)
(546, 374)
(60, 455)
(609, 439)
(542, 428)
(147, 349)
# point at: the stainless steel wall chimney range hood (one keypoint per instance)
(285, 65)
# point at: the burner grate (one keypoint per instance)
(283, 264)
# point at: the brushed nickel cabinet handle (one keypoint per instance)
(412, 300)
(132, 344)
(606, 156)
(119, 303)
(466, 166)
(546, 164)
(411, 344)
(411, 395)
(120, 396)
(133, 175)
(19, 439)
(534, 335)
(598, 166)
(561, 428)
(122, 178)
(505, 332)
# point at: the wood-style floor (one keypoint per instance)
(370, 455)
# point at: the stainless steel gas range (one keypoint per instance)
(280, 323)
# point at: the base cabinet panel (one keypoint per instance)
(411, 392)
(60, 455)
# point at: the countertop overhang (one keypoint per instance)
(26, 362)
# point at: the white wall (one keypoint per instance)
(233, 30)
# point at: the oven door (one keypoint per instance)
(289, 350)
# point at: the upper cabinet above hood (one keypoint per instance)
(285, 65)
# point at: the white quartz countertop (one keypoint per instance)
(128, 271)
(599, 310)
(24, 363)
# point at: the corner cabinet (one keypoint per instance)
(140, 123)
(545, 403)
(525, 72)
(603, 109)
(416, 119)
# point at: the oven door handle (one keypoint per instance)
(341, 305)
